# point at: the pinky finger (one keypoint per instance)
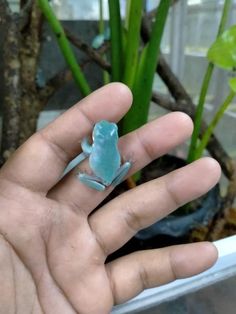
(131, 274)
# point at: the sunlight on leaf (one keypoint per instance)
(223, 51)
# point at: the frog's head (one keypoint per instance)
(105, 131)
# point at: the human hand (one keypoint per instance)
(53, 248)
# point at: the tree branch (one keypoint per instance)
(53, 85)
(25, 14)
(29, 56)
(12, 89)
(93, 54)
(65, 76)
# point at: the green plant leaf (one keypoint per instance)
(133, 41)
(223, 51)
(232, 84)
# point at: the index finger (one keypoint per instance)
(39, 162)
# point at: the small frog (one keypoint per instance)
(104, 157)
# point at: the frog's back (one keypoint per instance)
(105, 161)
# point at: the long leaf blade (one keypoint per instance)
(133, 41)
(142, 90)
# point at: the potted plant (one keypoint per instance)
(221, 53)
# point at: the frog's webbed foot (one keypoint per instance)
(121, 173)
(95, 183)
(91, 181)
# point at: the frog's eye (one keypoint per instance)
(113, 132)
(99, 136)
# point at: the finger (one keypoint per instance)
(133, 273)
(39, 163)
(150, 202)
(141, 146)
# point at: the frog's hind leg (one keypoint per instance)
(86, 151)
(91, 181)
(121, 173)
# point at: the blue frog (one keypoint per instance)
(104, 157)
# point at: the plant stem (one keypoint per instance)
(142, 88)
(101, 20)
(101, 27)
(133, 40)
(212, 125)
(204, 88)
(199, 112)
(65, 47)
(116, 39)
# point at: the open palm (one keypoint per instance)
(53, 247)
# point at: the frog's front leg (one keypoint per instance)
(86, 146)
(91, 181)
(86, 151)
(121, 173)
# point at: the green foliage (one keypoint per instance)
(130, 63)
(194, 151)
(147, 62)
(217, 117)
(135, 65)
(223, 51)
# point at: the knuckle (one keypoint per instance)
(132, 220)
(147, 148)
(172, 195)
